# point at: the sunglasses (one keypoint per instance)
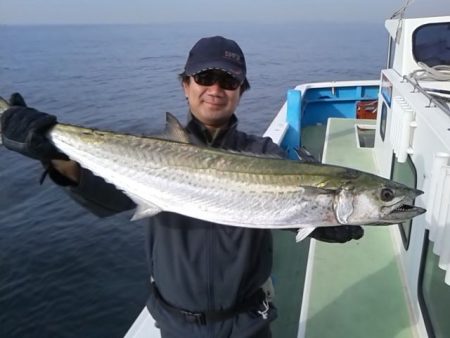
(210, 77)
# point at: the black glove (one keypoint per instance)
(17, 100)
(338, 234)
(23, 130)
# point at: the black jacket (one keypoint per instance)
(196, 265)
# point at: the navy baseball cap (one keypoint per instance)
(217, 52)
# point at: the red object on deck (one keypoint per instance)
(366, 109)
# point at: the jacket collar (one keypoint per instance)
(199, 130)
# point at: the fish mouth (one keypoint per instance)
(404, 209)
(402, 212)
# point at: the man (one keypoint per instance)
(206, 278)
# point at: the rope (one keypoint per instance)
(427, 73)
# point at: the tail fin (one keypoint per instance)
(3, 106)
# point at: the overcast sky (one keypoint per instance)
(157, 11)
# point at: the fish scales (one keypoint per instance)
(192, 193)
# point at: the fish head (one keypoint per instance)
(376, 201)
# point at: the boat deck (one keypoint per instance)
(288, 276)
(355, 289)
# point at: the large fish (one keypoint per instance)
(232, 188)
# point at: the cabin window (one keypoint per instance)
(383, 121)
(434, 294)
(431, 44)
(405, 173)
(391, 54)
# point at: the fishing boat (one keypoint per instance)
(395, 281)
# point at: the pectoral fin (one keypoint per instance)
(302, 233)
(145, 210)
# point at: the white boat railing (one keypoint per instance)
(433, 100)
(438, 210)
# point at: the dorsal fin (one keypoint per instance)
(174, 130)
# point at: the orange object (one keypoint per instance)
(366, 109)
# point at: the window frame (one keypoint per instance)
(420, 294)
(414, 37)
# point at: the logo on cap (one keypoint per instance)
(233, 56)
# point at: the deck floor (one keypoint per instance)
(288, 275)
(355, 288)
(290, 259)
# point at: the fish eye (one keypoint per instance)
(387, 195)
